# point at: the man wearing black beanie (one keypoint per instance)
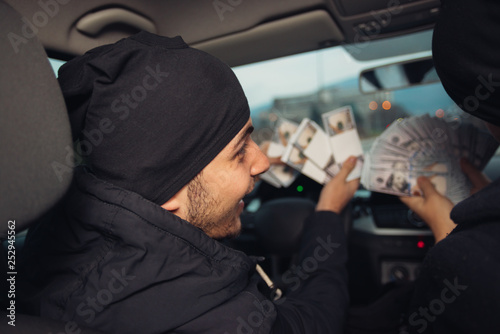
(457, 291)
(163, 135)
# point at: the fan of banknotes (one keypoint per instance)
(314, 151)
(425, 146)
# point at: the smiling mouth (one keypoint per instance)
(241, 203)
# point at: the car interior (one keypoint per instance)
(294, 59)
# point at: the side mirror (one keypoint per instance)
(398, 75)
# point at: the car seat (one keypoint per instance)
(35, 155)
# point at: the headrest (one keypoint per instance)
(279, 224)
(36, 151)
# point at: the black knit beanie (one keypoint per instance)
(466, 52)
(150, 112)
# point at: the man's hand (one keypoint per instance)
(337, 193)
(433, 208)
(476, 177)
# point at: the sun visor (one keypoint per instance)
(290, 35)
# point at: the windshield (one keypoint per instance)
(313, 83)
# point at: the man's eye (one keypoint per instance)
(241, 153)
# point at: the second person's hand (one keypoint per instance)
(476, 177)
(432, 207)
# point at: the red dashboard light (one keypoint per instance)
(420, 244)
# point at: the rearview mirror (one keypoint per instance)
(397, 76)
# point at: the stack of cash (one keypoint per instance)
(426, 146)
(313, 151)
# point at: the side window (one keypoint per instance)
(56, 63)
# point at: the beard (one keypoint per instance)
(206, 211)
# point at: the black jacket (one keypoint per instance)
(111, 260)
(458, 289)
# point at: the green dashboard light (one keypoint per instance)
(300, 189)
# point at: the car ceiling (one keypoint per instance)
(237, 31)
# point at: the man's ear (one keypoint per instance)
(177, 203)
(173, 204)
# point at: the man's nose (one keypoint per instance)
(260, 163)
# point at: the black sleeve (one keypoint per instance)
(317, 299)
(457, 290)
